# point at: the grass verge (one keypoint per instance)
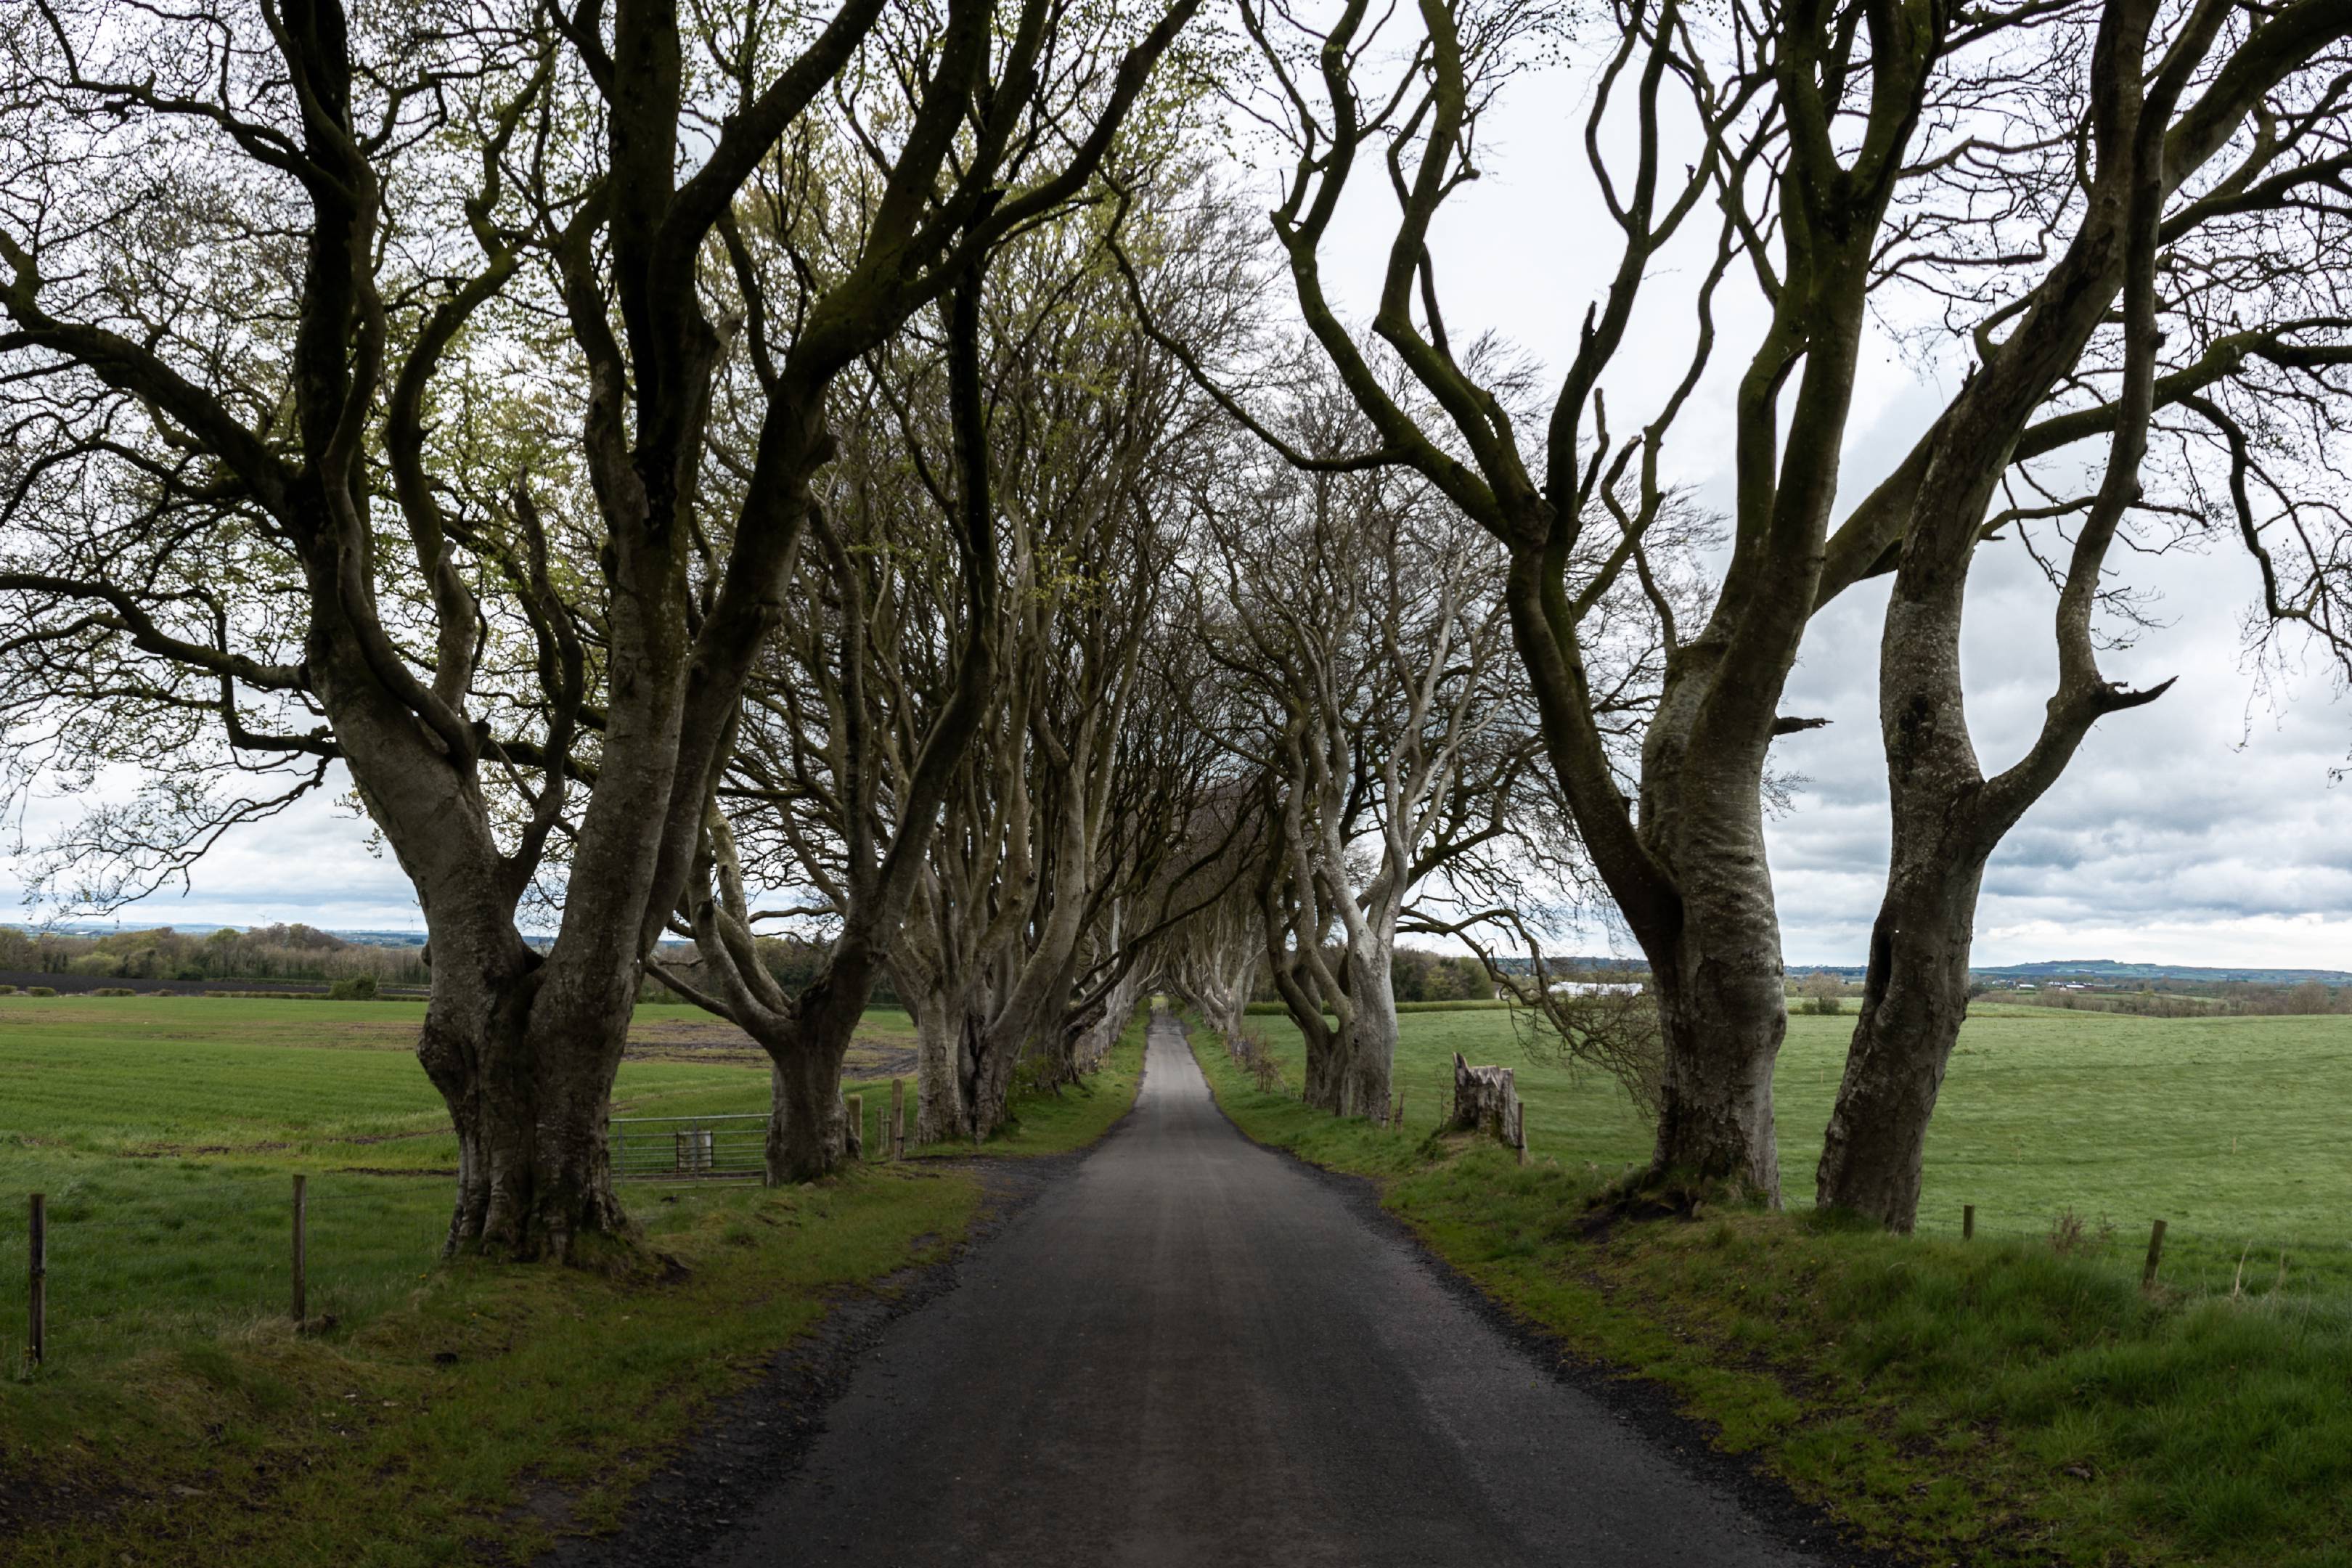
(482, 1411)
(1983, 1403)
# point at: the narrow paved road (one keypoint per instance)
(1192, 1352)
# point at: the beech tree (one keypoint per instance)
(1799, 126)
(1847, 149)
(282, 282)
(1392, 738)
(1212, 960)
(1029, 429)
(2182, 174)
(853, 726)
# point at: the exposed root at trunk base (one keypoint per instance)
(622, 1254)
(1648, 1196)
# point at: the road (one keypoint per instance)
(1193, 1351)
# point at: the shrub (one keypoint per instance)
(1824, 994)
(361, 988)
(40, 990)
(7, 991)
(1249, 1048)
(114, 991)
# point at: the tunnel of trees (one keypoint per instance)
(796, 506)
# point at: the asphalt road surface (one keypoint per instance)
(1191, 1351)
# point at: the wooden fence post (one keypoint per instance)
(2155, 1256)
(1400, 1111)
(301, 1250)
(1968, 1221)
(37, 1276)
(857, 1122)
(898, 1136)
(1519, 1117)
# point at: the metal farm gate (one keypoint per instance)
(689, 1148)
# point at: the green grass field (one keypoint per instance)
(178, 1419)
(1985, 1403)
(2230, 1130)
(164, 1132)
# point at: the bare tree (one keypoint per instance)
(253, 467)
(1212, 960)
(1800, 128)
(2203, 146)
(850, 738)
(1360, 608)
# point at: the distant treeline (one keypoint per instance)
(793, 961)
(1415, 975)
(265, 953)
(2241, 998)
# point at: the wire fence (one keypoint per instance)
(2198, 1258)
(124, 1270)
(137, 1254)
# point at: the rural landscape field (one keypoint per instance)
(2227, 1128)
(178, 1415)
(2019, 1397)
(998, 782)
(164, 1131)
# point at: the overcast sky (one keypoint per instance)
(2203, 829)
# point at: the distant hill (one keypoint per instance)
(2101, 971)
(2112, 971)
(199, 928)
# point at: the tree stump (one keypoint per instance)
(1486, 1099)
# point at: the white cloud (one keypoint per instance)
(2200, 829)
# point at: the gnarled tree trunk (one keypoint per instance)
(1915, 998)
(1947, 816)
(1368, 1060)
(938, 1051)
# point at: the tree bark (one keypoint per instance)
(939, 1113)
(1722, 1005)
(1948, 817)
(532, 1172)
(1486, 1099)
(1368, 1059)
(1913, 1004)
(809, 1133)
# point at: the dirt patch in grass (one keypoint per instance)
(717, 1041)
(30, 1501)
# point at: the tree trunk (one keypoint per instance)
(988, 1056)
(522, 1045)
(1720, 983)
(1915, 993)
(939, 1111)
(526, 1069)
(809, 1131)
(1325, 1077)
(1370, 1057)
(1913, 1004)
(1118, 1007)
(1689, 874)
(1722, 1040)
(1223, 996)
(1486, 1099)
